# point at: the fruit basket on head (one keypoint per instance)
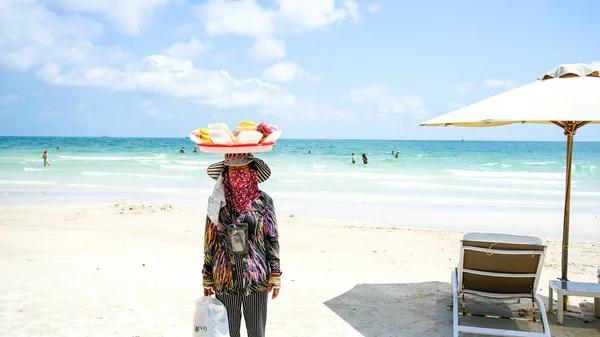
(248, 138)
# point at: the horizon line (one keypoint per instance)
(335, 139)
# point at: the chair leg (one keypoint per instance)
(544, 315)
(560, 307)
(550, 299)
(455, 303)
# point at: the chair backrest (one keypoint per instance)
(500, 265)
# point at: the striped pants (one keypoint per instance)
(254, 306)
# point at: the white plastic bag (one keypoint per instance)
(210, 318)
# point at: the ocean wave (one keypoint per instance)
(500, 188)
(26, 182)
(539, 162)
(31, 169)
(183, 167)
(85, 185)
(137, 175)
(496, 164)
(496, 174)
(523, 181)
(318, 166)
(361, 176)
(292, 181)
(193, 162)
(422, 155)
(162, 155)
(154, 161)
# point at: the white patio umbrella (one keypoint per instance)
(568, 96)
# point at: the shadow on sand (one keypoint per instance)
(425, 310)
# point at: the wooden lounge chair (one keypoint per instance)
(501, 267)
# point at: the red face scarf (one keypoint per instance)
(241, 189)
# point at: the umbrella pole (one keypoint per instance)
(565, 239)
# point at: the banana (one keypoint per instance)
(206, 139)
(201, 135)
(247, 125)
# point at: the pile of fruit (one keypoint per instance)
(247, 133)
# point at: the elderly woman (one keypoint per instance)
(241, 247)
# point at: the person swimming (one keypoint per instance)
(181, 150)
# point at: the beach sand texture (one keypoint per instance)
(100, 270)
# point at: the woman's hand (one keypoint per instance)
(208, 291)
(209, 287)
(275, 292)
(275, 284)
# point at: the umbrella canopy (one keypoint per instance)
(567, 96)
(567, 93)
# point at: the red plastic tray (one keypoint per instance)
(250, 148)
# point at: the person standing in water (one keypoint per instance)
(353, 158)
(365, 160)
(45, 157)
(182, 150)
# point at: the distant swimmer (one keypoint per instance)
(58, 147)
(45, 157)
(365, 160)
(353, 158)
(182, 150)
(195, 150)
(397, 153)
(309, 152)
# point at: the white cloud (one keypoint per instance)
(384, 103)
(30, 35)
(9, 99)
(60, 48)
(244, 17)
(248, 18)
(287, 71)
(267, 49)
(463, 88)
(373, 8)
(173, 77)
(190, 49)
(595, 65)
(498, 83)
(129, 16)
(316, 13)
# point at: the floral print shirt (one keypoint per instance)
(262, 258)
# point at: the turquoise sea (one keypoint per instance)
(435, 173)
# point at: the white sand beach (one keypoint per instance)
(106, 270)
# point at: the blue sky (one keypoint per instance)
(316, 68)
